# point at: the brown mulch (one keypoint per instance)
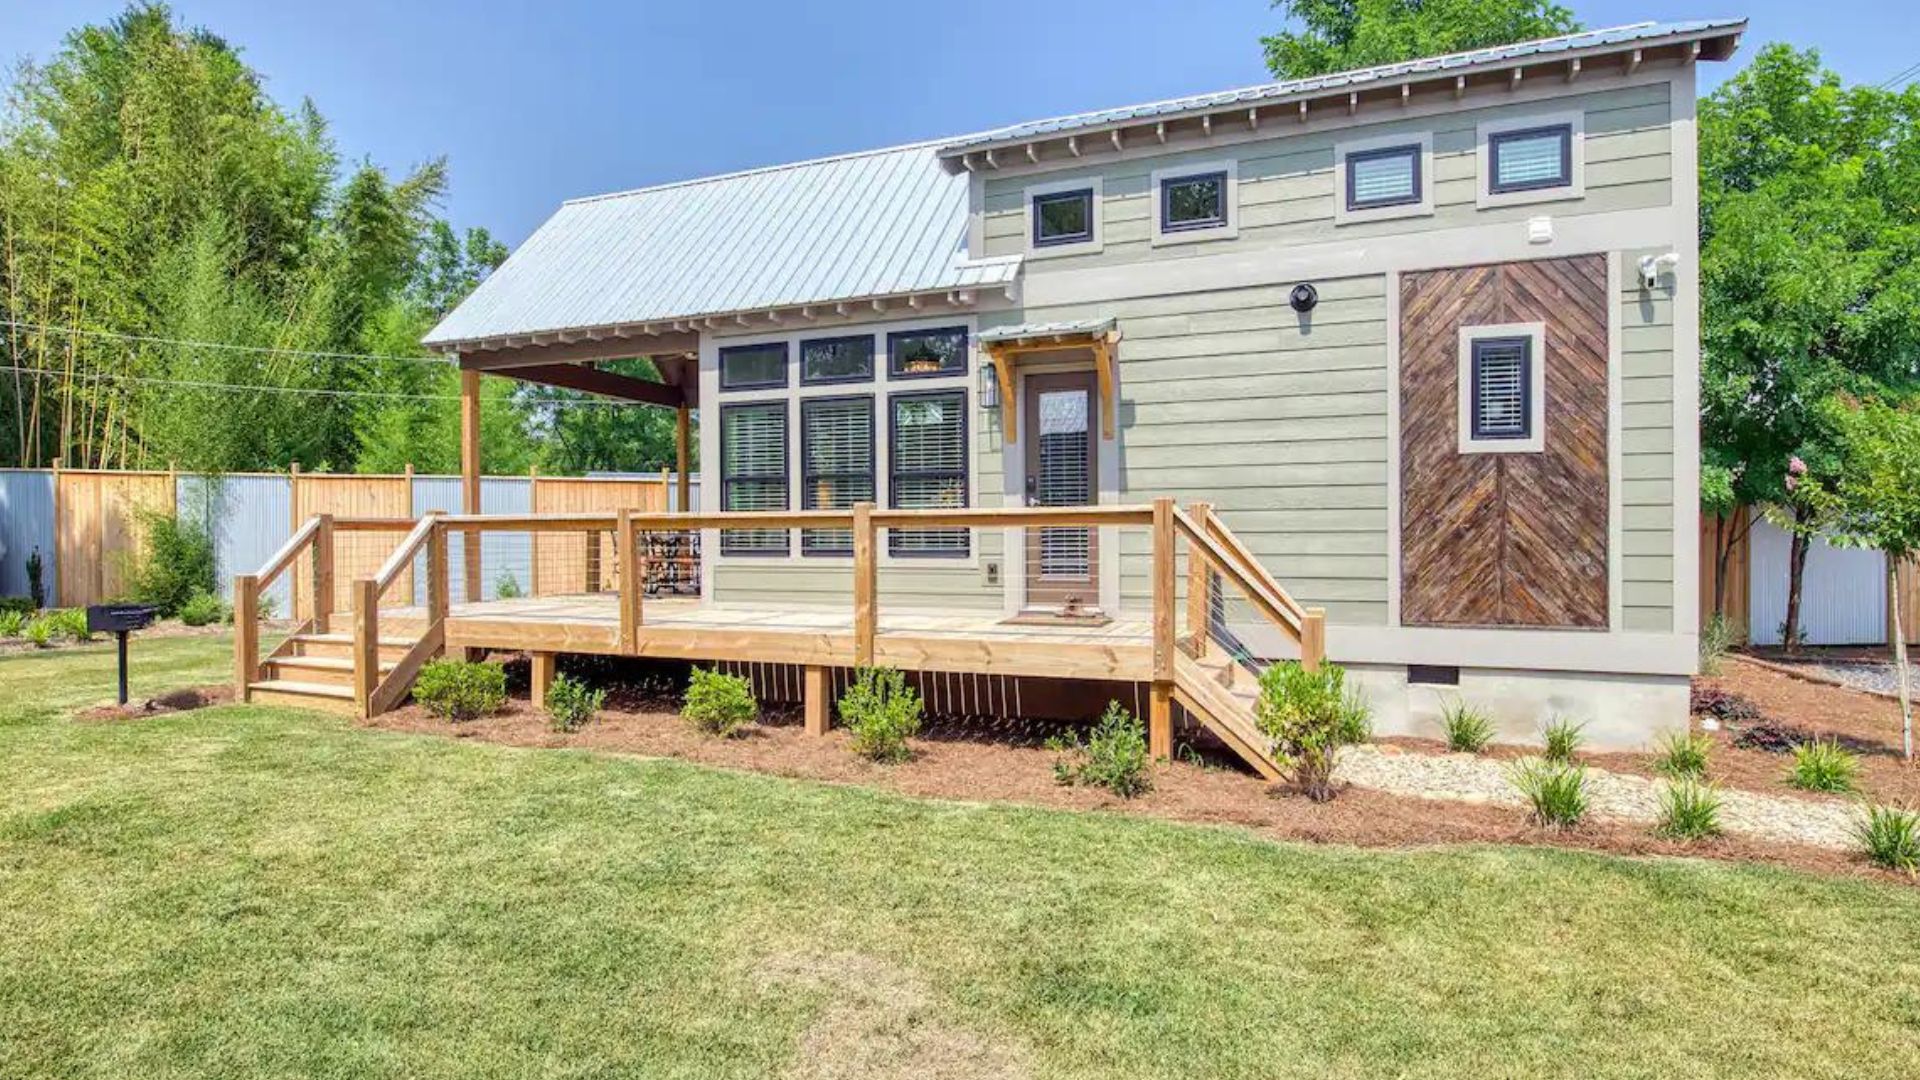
(980, 760)
(173, 701)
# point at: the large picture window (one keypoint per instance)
(749, 367)
(927, 462)
(837, 359)
(924, 353)
(836, 465)
(753, 473)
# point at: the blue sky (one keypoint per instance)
(534, 103)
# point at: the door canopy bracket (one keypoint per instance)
(1007, 346)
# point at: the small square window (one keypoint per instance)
(1389, 176)
(1064, 217)
(1531, 159)
(1193, 202)
(925, 353)
(840, 359)
(748, 367)
(1502, 388)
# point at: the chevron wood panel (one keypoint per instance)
(1505, 539)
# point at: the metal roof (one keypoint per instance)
(1457, 63)
(875, 224)
(1027, 331)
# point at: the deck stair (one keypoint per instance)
(1220, 694)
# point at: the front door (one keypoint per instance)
(1062, 449)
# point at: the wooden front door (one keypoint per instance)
(1062, 459)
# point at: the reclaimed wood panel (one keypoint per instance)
(1505, 539)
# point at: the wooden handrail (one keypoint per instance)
(1277, 609)
(278, 563)
(403, 555)
(969, 517)
(1217, 530)
(372, 524)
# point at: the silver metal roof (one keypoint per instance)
(1028, 331)
(1458, 63)
(881, 223)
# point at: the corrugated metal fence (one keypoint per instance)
(1843, 600)
(87, 525)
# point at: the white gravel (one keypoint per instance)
(1612, 796)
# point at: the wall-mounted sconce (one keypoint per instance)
(1304, 298)
(989, 385)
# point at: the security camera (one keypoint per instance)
(1652, 266)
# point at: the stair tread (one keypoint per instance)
(341, 638)
(311, 689)
(325, 663)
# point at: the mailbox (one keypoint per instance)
(120, 618)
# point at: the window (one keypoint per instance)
(747, 367)
(836, 465)
(923, 353)
(1389, 176)
(927, 454)
(1531, 158)
(1063, 217)
(1198, 201)
(753, 473)
(1502, 384)
(840, 359)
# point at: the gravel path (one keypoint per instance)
(1872, 676)
(1613, 796)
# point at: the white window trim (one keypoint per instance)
(1424, 208)
(1484, 195)
(1536, 440)
(1091, 246)
(1230, 200)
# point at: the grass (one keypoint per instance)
(247, 891)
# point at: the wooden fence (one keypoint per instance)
(100, 528)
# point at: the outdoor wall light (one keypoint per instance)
(1304, 298)
(989, 385)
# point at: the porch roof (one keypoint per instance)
(1046, 331)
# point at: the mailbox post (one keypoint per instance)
(120, 620)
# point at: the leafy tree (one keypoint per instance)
(1810, 274)
(577, 439)
(1340, 35)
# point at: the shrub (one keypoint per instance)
(1717, 639)
(1891, 837)
(13, 623)
(16, 605)
(1689, 810)
(570, 703)
(457, 690)
(1309, 716)
(506, 586)
(1114, 755)
(40, 631)
(1468, 729)
(69, 623)
(1683, 754)
(1821, 765)
(718, 703)
(176, 563)
(204, 609)
(881, 712)
(1723, 705)
(1556, 793)
(36, 584)
(1562, 738)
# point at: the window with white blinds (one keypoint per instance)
(1389, 176)
(1531, 159)
(753, 473)
(1502, 387)
(836, 465)
(927, 462)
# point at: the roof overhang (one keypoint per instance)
(1005, 346)
(1067, 138)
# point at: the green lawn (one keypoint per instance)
(259, 892)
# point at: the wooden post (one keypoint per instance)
(246, 635)
(817, 705)
(1160, 720)
(1313, 638)
(470, 476)
(865, 583)
(52, 583)
(1199, 582)
(533, 539)
(366, 643)
(683, 457)
(632, 575)
(1160, 700)
(323, 575)
(438, 603)
(543, 665)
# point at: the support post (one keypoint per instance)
(470, 475)
(1160, 720)
(438, 603)
(632, 575)
(543, 667)
(366, 644)
(323, 575)
(683, 457)
(1199, 582)
(246, 635)
(1163, 589)
(865, 583)
(1313, 638)
(817, 705)
(533, 541)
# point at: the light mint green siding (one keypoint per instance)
(1647, 459)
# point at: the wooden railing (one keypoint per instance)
(314, 540)
(1214, 549)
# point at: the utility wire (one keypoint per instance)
(269, 350)
(191, 384)
(1901, 76)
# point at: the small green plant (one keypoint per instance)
(176, 562)
(1563, 739)
(1556, 793)
(13, 623)
(718, 703)
(16, 605)
(881, 712)
(571, 703)
(203, 609)
(1821, 765)
(459, 691)
(1891, 837)
(1309, 716)
(1113, 756)
(1683, 754)
(36, 582)
(69, 623)
(1689, 810)
(1717, 638)
(1467, 728)
(40, 631)
(506, 586)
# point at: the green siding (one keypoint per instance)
(1647, 458)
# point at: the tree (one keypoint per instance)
(1810, 273)
(1879, 499)
(1340, 35)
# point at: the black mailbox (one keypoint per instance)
(120, 618)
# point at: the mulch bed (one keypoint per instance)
(172, 701)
